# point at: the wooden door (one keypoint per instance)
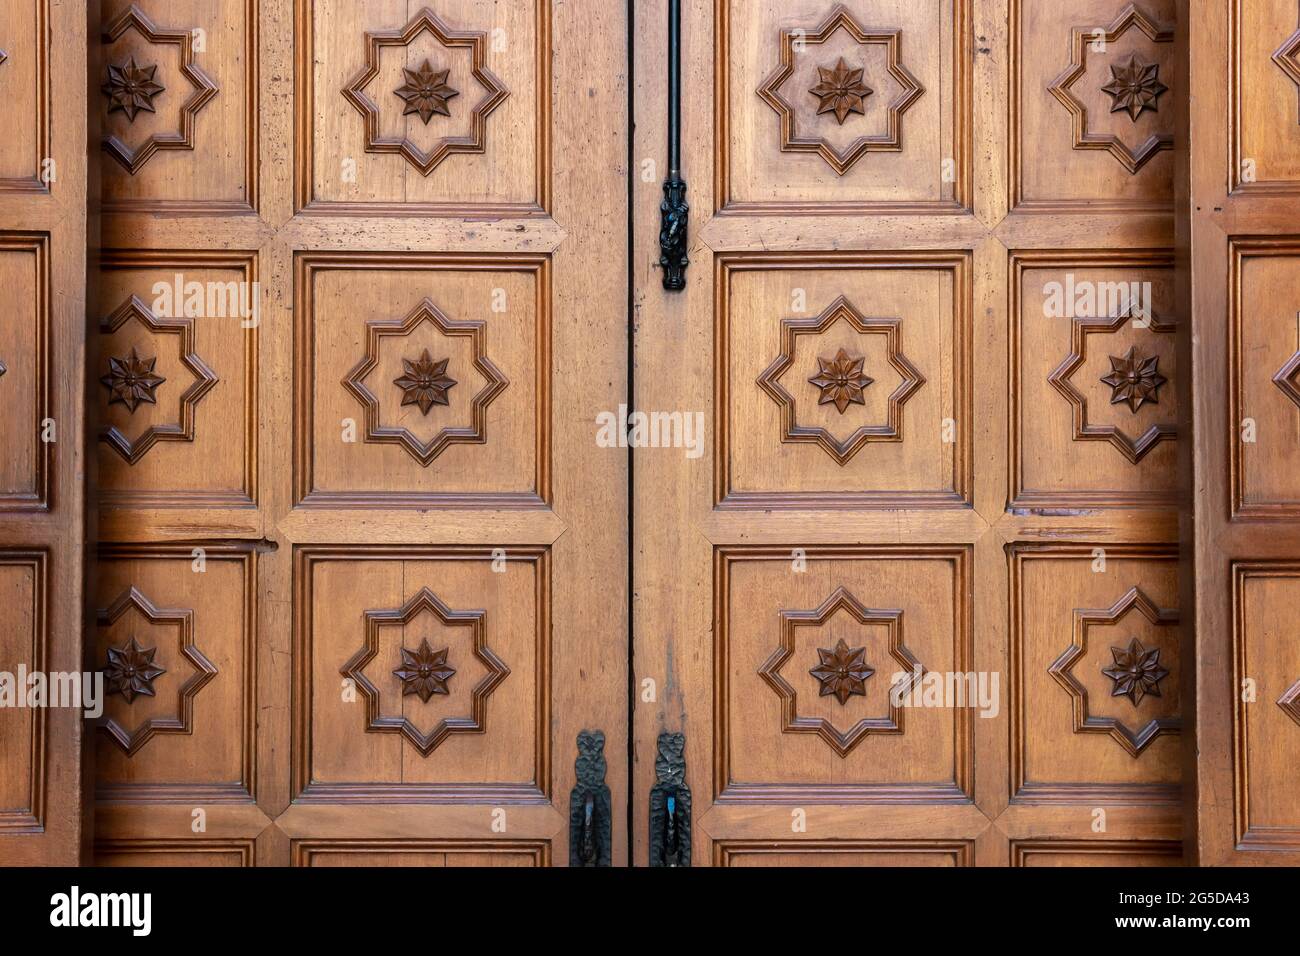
(42, 366)
(928, 452)
(1239, 219)
(358, 543)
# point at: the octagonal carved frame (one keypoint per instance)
(204, 381)
(426, 452)
(842, 742)
(494, 91)
(420, 602)
(204, 89)
(183, 721)
(1129, 17)
(841, 160)
(1062, 671)
(841, 450)
(1134, 449)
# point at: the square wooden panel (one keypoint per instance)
(1264, 96)
(377, 424)
(892, 135)
(443, 109)
(894, 432)
(421, 853)
(1092, 104)
(474, 727)
(24, 642)
(1096, 853)
(855, 853)
(1267, 728)
(25, 386)
(1093, 385)
(1095, 673)
(175, 853)
(191, 439)
(189, 732)
(1264, 377)
(25, 85)
(188, 141)
(783, 733)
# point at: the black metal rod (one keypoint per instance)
(674, 89)
(674, 212)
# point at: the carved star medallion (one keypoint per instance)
(842, 672)
(424, 672)
(131, 380)
(130, 670)
(426, 92)
(841, 91)
(131, 88)
(425, 382)
(1134, 87)
(1134, 380)
(1136, 672)
(841, 380)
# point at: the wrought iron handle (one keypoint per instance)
(674, 213)
(589, 804)
(670, 805)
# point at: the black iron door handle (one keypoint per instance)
(674, 213)
(589, 804)
(670, 805)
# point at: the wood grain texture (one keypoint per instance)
(989, 461)
(535, 259)
(43, 252)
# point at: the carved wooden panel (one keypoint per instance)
(1095, 703)
(421, 853)
(24, 642)
(175, 637)
(175, 366)
(1264, 377)
(1266, 667)
(25, 85)
(422, 379)
(1092, 112)
(176, 89)
(842, 380)
(1096, 853)
(1264, 96)
(365, 617)
(855, 853)
(1094, 385)
(823, 106)
(25, 371)
(797, 712)
(175, 853)
(446, 107)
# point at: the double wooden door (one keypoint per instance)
(905, 565)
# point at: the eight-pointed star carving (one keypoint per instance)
(1134, 87)
(131, 379)
(424, 671)
(426, 92)
(1062, 671)
(425, 382)
(426, 451)
(435, 91)
(840, 90)
(841, 380)
(1134, 379)
(131, 88)
(130, 670)
(843, 671)
(1136, 671)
